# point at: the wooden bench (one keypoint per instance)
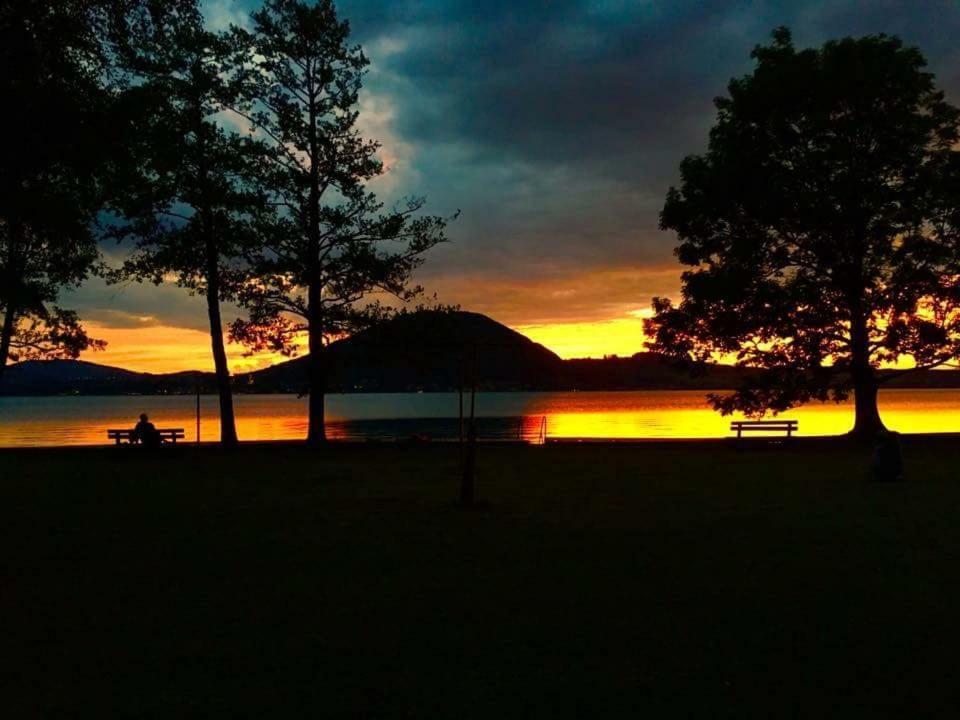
(767, 426)
(167, 435)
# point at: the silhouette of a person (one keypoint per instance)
(145, 432)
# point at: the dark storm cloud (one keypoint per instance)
(557, 127)
(622, 86)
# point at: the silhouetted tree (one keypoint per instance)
(332, 246)
(807, 225)
(55, 110)
(193, 206)
(64, 99)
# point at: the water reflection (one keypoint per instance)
(641, 414)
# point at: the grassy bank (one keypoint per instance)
(594, 581)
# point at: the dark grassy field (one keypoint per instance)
(661, 579)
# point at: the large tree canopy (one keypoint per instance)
(811, 227)
(63, 108)
(55, 108)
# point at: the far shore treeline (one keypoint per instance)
(820, 230)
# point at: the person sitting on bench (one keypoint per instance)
(146, 433)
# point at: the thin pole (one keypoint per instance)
(469, 457)
(198, 415)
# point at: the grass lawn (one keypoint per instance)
(683, 579)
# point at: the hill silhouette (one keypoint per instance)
(78, 377)
(423, 351)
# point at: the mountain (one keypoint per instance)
(423, 351)
(77, 377)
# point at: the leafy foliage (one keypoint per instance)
(195, 197)
(809, 225)
(64, 101)
(57, 110)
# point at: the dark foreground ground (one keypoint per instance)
(596, 581)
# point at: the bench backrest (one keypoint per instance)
(165, 433)
(765, 424)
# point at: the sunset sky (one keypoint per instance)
(556, 129)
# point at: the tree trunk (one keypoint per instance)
(228, 424)
(317, 432)
(6, 336)
(867, 423)
(10, 313)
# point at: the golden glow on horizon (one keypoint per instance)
(620, 336)
(166, 349)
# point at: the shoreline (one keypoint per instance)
(454, 391)
(731, 442)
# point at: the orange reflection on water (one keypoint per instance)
(614, 415)
(685, 414)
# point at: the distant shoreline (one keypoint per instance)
(210, 392)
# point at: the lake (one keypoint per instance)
(49, 421)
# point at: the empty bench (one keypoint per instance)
(167, 435)
(765, 426)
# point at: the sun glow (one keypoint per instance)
(166, 349)
(621, 336)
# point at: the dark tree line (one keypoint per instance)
(129, 124)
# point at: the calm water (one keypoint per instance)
(641, 414)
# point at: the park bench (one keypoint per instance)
(765, 426)
(167, 435)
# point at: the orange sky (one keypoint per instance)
(620, 336)
(162, 349)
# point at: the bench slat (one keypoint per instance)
(170, 434)
(764, 427)
(787, 426)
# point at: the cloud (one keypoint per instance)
(562, 297)
(221, 14)
(556, 128)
